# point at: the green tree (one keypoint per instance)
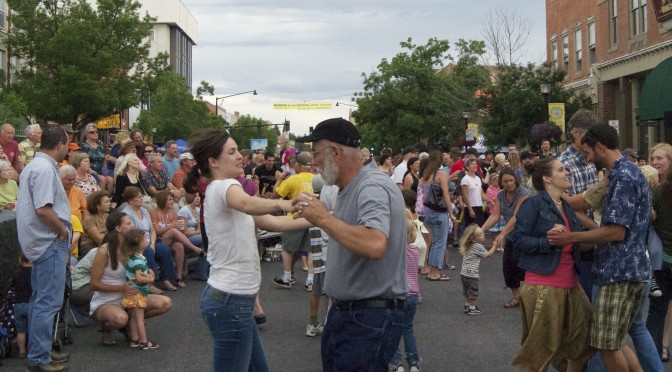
(248, 127)
(78, 64)
(13, 110)
(410, 98)
(173, 111)
(514, 103)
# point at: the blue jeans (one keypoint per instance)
(410, 345)
(196, 240)
(361, 340)
(641, 339)
(658, 305)
(237, 345)
(163, 257)
(437, 224)
(48, 281)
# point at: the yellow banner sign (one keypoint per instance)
(301, 106)
(472, 132)
(110, 122)
(556, 114)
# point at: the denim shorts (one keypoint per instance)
(21, 317)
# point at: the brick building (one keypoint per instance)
(609, 48)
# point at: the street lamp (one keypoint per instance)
(545, 89)
(254, 93)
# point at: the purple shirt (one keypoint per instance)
(248, 185)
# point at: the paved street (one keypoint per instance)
(448, 340)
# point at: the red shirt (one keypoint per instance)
(458, 166)
(564, 275)
(11, 149)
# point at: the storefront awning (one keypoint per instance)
(656, 95)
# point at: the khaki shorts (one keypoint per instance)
(296, 241)
(614, 311)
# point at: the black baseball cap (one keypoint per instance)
(336, 130)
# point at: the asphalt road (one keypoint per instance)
(447, 339)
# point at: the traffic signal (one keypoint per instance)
(310, 130)
(285, 127)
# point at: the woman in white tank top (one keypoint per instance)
(108, 281)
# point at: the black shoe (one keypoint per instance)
(278, 282)
(655, 291)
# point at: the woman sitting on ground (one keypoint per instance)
(98, 205)
(156, 252)
(85, 180)
(191, 215)
(108, 281)
(164, 222)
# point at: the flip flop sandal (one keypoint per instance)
(514, 302)
(149, 345)
(442, 278)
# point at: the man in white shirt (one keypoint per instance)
(400, 170)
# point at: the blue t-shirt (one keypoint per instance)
(628, 204)
(137, 261)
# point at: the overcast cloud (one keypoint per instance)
(299, 50)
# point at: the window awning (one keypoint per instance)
(656, 95)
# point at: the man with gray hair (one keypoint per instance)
(10, 147)
(366, 277)
(43, 215)
(31, 144)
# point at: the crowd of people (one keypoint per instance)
(585, 237)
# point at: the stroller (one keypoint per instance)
(62, 333)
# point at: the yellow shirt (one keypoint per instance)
(296, 184)
(8, 193)
(76, 227)
(27, 151)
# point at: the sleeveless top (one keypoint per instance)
(110, 277)
(414, 185)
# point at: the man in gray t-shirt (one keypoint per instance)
(366, 268)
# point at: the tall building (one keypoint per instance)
(620, 53)
(175, 32)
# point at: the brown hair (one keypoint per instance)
(134, 241)
(205, 144)
(94, 199)
(162, 198)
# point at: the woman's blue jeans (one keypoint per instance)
(163, 257)
(196, 240)
(237, 345)
(437, 224)
(410, 345)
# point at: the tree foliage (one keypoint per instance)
(514, 103)
(173, 111)
(411, 98)
(249, 127)
(78, 63)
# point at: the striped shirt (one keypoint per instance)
(583, 175)
(27, 150)
(316, 242)
(472, 260)
(40, 186)
(412, 256)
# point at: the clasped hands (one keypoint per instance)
(309, 207)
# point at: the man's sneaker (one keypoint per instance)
(59, 358)
(450, 267)
(466, 309)
(395, 368)
(655, 291)
(414, 366)
(312, 331)
(292, 280)
(278, 282)
(51, 367)
(474, 311)
(308, 287)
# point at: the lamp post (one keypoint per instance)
(545, 89)
(254, 93)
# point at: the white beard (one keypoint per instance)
(330, 171)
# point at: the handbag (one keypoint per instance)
(434, 199)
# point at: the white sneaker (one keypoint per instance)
(312, 331)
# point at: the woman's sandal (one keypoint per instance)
(665, 355)
(107, 338)
(514, 302)
(147, 345)
(135, 344)
(180, 283)
(167, 286)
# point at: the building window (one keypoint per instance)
(554, 54)
(591, 43)
(3, 64)
(578, 50)
(152, 36)
(639, 18)
(613, 27)
(565, 52)
(2, 15)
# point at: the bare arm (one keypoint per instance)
(47, 215)
(237, 199)
(408, 182)
(95, 235)
(142, 278)
(281, 223)
(512, 221)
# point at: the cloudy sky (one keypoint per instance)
(296, 51)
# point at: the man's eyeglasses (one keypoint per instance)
(146, 151)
